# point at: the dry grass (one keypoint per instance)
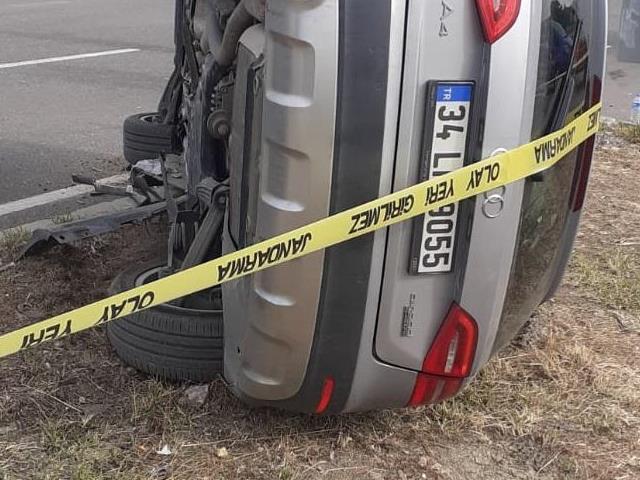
(62, 218)
(613, 276)
(565, 403)
(630, 133)
(12, 240)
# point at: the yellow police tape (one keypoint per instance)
(417, 200)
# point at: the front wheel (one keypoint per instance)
(145, 137)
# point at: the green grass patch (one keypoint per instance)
(613, 276)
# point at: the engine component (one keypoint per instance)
(205, 191)
(205, 239)
(244, 144)
(240, 20)
(204, 154)
(257, 8)
(214, 204)
(218, 124)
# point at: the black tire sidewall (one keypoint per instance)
(143, 139)
(169, 342)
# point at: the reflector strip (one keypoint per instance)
(325, 395)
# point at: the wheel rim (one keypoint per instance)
(151, 118)
(211, 295)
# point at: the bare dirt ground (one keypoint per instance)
(562, 403)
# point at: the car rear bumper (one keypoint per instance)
(325, 334)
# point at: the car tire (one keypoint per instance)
(145, 137)
(169, 342)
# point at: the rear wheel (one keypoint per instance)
(170, 342)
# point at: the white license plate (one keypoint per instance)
(444, 150)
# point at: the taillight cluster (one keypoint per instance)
(497, 17)
(449, 360)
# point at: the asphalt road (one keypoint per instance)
(66, 117)
(622, 82)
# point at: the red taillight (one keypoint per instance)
(429, 389)
(325, 395)
(497, 17)
(451, 353)
(449, 359)
(424, 391)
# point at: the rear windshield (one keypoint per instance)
(564, 40)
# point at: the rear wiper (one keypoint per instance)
(568, 86)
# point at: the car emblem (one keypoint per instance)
(447, 11)
(494, 202)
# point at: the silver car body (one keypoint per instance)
(339, 94)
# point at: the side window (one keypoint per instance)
(565, 30)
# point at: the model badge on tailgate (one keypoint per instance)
(407, 317)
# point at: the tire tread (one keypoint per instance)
(168, 342)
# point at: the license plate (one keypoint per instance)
(444, 150)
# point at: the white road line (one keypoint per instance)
(67, 58)
(39, 4)
(56, 196)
